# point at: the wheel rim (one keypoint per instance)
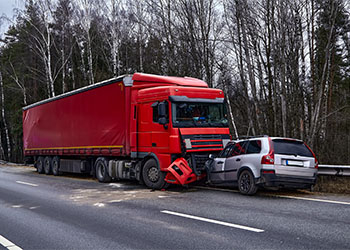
(40, 166)
(47, 166)
(153, 174)
(101, 170)
(55, 167)
(245, 182)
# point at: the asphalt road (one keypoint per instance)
(70, 212)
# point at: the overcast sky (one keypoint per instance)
(6, 8)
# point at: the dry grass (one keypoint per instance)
(333, 184)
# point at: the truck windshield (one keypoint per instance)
(190, 114)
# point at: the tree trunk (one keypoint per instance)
(4, 120)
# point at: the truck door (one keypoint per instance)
(160, 123)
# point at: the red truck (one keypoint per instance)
(155, 129)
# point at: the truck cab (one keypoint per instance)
(179, 125)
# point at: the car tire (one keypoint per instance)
(56, 166)
(40, 165)
(152, 176)
(48, 165)
(101, 167)
(246, 183)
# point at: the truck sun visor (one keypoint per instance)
(176, 98)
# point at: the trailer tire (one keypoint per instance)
(40, 165)
(152, 176)
(101, 168)
(246, 183)
(48, 165)
(56, 166)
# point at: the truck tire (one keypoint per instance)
(246, 183)
(101, 168)
(48, 165)
(56, 165)
(152, 176)
(40, 165)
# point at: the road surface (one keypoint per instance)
(76, 212)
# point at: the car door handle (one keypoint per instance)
(238, 160)
(220, 162)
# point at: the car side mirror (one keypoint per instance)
(211, 156)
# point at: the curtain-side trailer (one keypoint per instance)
(155, 129)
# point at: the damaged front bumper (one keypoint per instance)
(181, 173)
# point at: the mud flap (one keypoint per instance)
(180, 173)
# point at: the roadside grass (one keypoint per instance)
(333, 184)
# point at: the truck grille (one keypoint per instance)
(204, 143)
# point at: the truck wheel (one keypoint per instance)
(246, 183)
(40, 165)
(48, 165)
(152, 176)
(101, 166)
(56, 166)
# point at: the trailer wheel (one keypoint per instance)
(101, 166)
(48, 165)
(40, 165)
(56, 166)
(152, 176)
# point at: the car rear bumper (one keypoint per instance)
(273, 180)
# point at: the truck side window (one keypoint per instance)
(155, 111)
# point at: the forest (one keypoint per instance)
(284, 65)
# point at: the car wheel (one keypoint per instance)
(152, 176)
(101, 166)
(246, 183)
(48, 165)
(40, 165)
(56, 166)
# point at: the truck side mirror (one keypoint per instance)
(161, 109)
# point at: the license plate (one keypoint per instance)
(294, 163)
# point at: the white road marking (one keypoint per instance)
(17, 206)
(27, 183)
(217, 189)
(313, 199)
(113, 201)
(256, 230)
(281, 196)
(99, 204)
(8, 244)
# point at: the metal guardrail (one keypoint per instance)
(335, 170)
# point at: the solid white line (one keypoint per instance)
(27, 183)
(8, 244)
(256, 230)
(312, 199)
(280, 196)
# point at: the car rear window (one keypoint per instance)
(289, 147)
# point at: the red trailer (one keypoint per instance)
(156, 129)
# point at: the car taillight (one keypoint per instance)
(268, 171)
(316, 161)
(268, 159)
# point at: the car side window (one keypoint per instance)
(254, 147)
(226, 151)
(238, 149)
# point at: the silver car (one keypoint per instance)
(264, 161)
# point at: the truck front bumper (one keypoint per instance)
(181, 173)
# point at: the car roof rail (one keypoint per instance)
(251, 136)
